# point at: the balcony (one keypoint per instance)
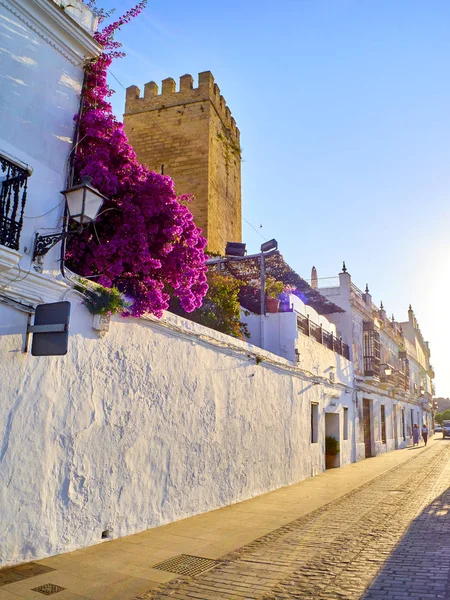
(371, 366)
(13, 195)
(393, 377)
(307, 327)
(403, 380)
(371, 343)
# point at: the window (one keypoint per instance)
(314, 423)
(345, 423)
(13, 195)
(383, 424)
(412, 420)
(403, 423)
(371, 340)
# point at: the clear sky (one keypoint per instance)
(344, 113)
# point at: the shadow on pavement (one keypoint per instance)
(419, 566)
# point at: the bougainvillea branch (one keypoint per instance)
(144, 240)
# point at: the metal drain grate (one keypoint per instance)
(48, 589)
(184, 564)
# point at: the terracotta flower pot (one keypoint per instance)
(330, 461)
(272, 305)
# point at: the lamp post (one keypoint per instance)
(83, 203)
(235, 251)
(266, 247)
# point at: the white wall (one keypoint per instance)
(146, 426)
(41, 53)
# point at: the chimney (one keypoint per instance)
(314, 281)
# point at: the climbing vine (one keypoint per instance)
(221, 309)
(144, 241)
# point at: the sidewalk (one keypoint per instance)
(121, 569)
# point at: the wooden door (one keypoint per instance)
(367, 428)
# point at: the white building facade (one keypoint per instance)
(309, 340)
(393, 386)
(44, 49)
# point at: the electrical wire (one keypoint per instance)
(47, 213)
(111, 73)
(254, 229)
(16, 304)
(9, 282)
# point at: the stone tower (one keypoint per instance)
(191, 134)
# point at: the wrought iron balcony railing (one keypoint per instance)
(398, 379)
(13, 196)
(311, 329)
(371, 366)
(371, 344)
(403, 380)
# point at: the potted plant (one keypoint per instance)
(331, 450)
(101, 302)
(273, 288)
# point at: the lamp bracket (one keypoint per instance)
(44, 243)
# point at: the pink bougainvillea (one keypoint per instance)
(144, 240)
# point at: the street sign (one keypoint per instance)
(51, 329)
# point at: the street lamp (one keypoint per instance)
(270, 245)
(266, 247)
(83, 203)
(235, 249)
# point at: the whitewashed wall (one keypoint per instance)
(41, 54)
(350, 325)
(146, 426)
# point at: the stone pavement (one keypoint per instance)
(384, 541)
(374, 530)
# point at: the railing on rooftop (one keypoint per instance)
(311, 329)
(360, 296)
(13, 195)
(324, 282)
(357, 291)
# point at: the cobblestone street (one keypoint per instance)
(389, 539)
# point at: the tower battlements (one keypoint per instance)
(207, 90)
(188, 133)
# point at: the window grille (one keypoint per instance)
(371, 350)
(13, 196)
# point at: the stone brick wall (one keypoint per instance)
(192, 133)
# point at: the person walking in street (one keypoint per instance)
(425, 433)
(416, 433)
